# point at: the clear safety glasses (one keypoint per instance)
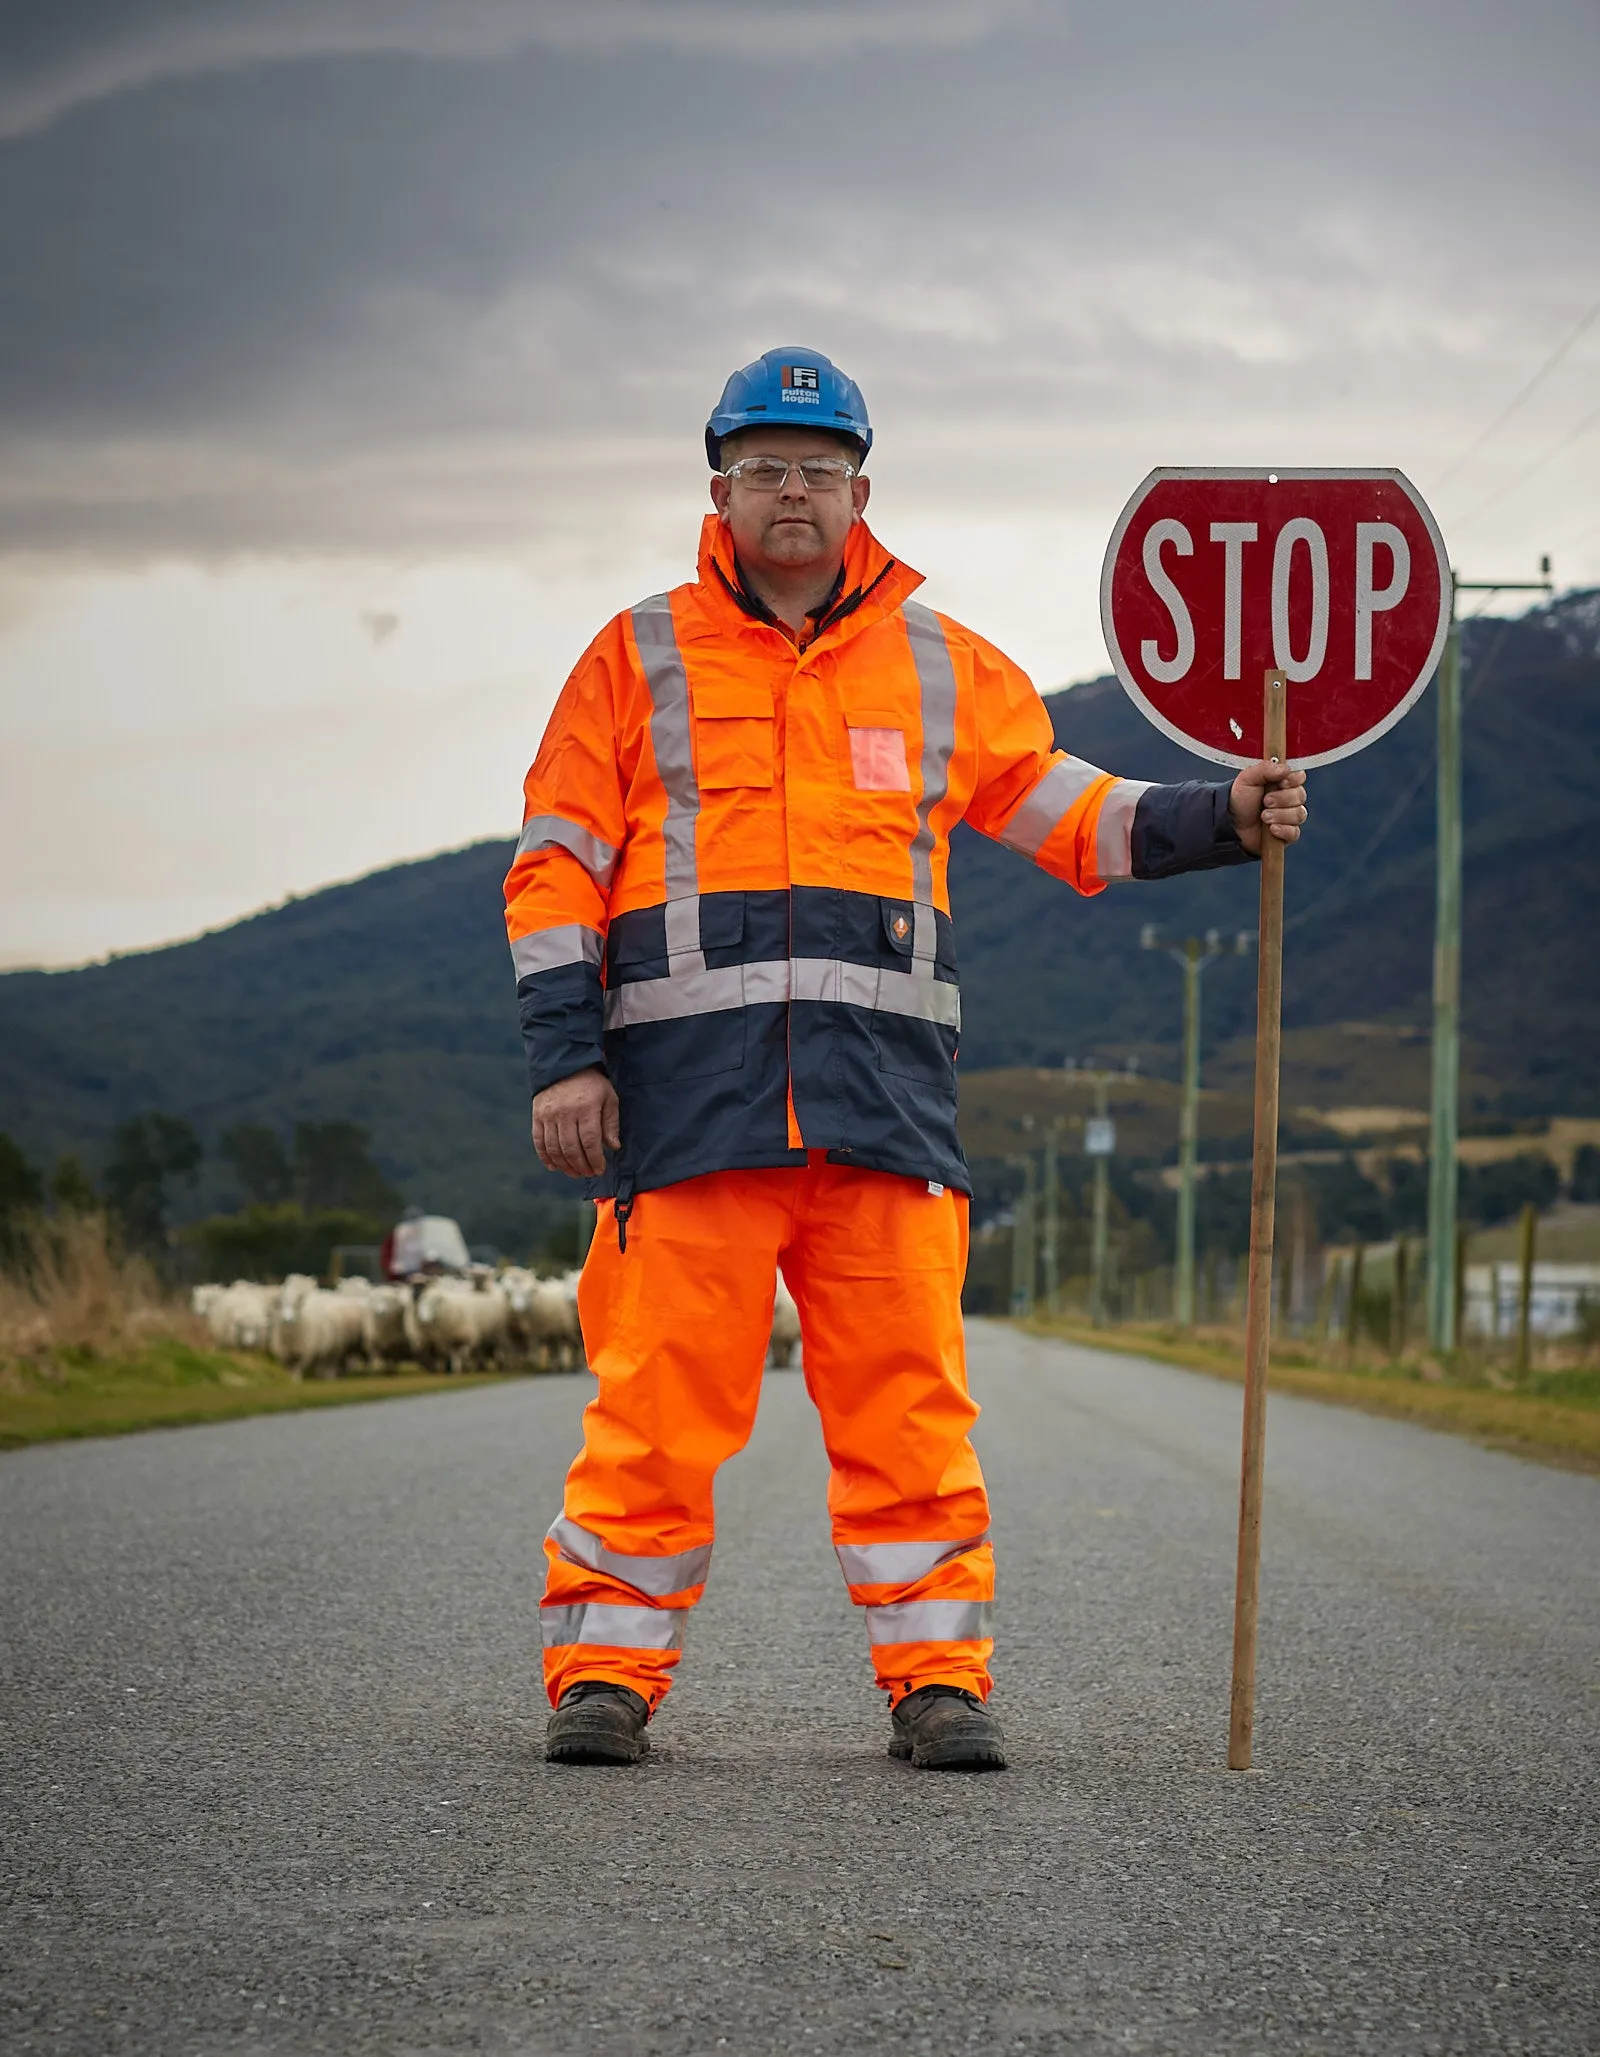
(771, 474)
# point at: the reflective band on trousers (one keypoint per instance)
(929, 1621)
(773, 981)
(615, 1628)
(1113, 848)
(657, 1576)
(550, 949)
(936, 678)
(1048, 805)
(554, 831)
(898, 1564)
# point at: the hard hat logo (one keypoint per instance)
(784, 382)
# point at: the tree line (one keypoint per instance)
(301, 1195)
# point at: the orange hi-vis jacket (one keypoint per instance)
(731, 886)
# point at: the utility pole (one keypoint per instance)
(1192, 955)
(1099, 1140)
(1022, 1247)
(1052, 1269)
(1445, 1119)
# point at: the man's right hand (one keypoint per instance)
(575, 1122)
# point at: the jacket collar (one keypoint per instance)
(872, 585)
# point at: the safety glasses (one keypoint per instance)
(771, 474)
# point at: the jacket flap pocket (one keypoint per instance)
(721, 921)
(875, 718)
(731, 700)
(899, 925)
(638, 937)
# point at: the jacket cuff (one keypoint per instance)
(563, 1023)
(1184, 828)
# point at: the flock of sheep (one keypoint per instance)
(501, 1321)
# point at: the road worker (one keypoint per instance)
(729, 916)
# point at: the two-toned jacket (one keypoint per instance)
(731, 886)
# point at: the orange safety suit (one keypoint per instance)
(731, 892)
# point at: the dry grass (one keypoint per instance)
(66, 1284)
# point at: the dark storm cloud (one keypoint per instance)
(350, 277)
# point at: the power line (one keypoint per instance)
(1511, 406)
(1480, 678)
(1527, 472)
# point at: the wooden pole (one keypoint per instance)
(1263, 1199)
(1530, 1229)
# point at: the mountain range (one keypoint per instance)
(388, 1001)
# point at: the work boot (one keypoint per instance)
(946, 1728)
(597, 1723)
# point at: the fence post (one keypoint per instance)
(1397, 1301)
(1352, 1318)
(1530, 1229)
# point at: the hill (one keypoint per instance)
(388, 1001)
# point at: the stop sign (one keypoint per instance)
(1337, 578)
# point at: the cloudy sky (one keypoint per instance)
(354, 355)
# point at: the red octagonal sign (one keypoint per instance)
(1337, 578)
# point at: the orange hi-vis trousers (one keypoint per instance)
(676, 1328)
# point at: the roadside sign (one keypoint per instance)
(1338, 579)
(1292, 616)
(1099, 1136)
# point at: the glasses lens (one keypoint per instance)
(821, 472)
(762, 474)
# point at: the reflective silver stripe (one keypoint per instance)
(898, 1564)
(937, 679)
(683, 934)
(617, 1628)
(929, 1621)
(886, 992)
(547, 831)
(698, 992)
(552, 948)
(657, 1576)
(774, 981)
(674, 753)
(1113, 843)
(1048, 805)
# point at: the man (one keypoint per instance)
(730, 922)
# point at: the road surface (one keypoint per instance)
(270, 1771)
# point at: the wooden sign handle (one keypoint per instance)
(1263, 1202)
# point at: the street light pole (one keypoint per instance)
(1445, 1112)
(1193, 955)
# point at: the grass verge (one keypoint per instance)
(1554, 1419)
(166, 1383)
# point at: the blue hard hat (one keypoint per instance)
(792, 388)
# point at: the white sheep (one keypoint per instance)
(785, 1329)
(240, 1316)
(453, 1325)
(319, 1333)
(383, 1326)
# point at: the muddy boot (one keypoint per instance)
(946, 1728)
(597, 1723)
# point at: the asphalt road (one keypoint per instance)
(270, 1771)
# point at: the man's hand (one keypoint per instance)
(1268, 796)
(575, 1122)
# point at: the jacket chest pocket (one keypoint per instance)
(732, 735)
(878, 762)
